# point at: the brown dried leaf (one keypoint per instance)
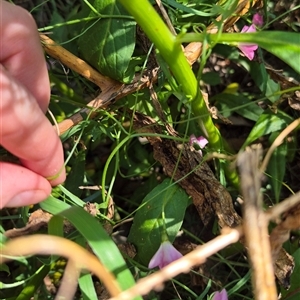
(294, 102)
(37, 220)
(284, 267)
(284, 262)
(187, 167)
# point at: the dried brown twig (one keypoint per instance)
(78, 257)
(255, 225)
(76, 64)
(81, 259)
(282, 207)
(182, 265)
(278, 141)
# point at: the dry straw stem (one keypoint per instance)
(182, 265)
(278, 141)
(255, 225)
(78, 257)
(76, 64)
(281, 232)
(276, 211)
(110, 89)
(165, 16)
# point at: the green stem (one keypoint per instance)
(172, 53)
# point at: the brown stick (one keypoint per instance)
(75, 63)
(255, 224)
(182, 265)
(49, 245)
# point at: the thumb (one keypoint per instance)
(20, 186)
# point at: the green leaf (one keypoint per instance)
(191, 10)
(146, 230)
(56, 226)
(285, 45)
(34, 283)
(262, 79)
(212, 78)
(277, 166)
(87, 287)
(74, 199)
(99, 241)
(267, 123)
(4, 268)
(108, 45)
(76, 175)
(230, 103)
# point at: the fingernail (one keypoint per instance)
(28, 197)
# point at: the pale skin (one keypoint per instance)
(24, 98)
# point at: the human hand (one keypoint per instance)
(24, 98)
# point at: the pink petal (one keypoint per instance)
(193, 139)
(200, 141)
(248, 29)
(164, 256)
(258, 20)
(156, 259)
(248, 50)
(245, 29)
(221, 295)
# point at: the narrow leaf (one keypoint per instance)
(34, 283)
(230, 103)
(267, 123)
(99, 241)
(76, 175)
(285, 45)
(262, 79)
(277, 166)
(87, 287)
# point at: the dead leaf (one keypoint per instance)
(192, 173)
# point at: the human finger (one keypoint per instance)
(26, 132)
(20, 186)
(21, 52)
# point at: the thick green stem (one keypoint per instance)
(172, 53)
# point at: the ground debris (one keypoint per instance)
(193, 174)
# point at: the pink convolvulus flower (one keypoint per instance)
(249, 49)
(164, 255)
(201, 142)
(258, 20)
(220, 295)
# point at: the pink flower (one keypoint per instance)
(248, 49)
(201, 142)
(164, 255)
(220, 295)
(258, 20)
